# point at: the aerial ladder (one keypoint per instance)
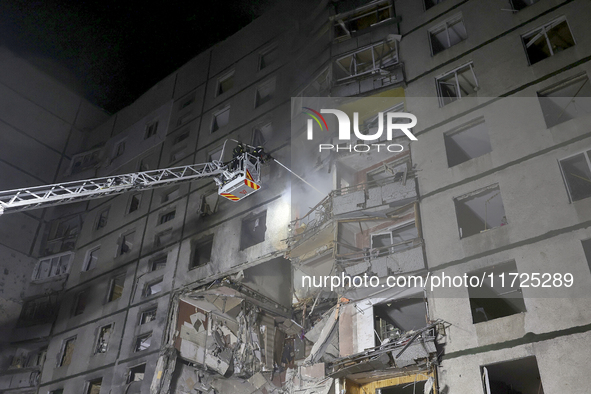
(235, 180)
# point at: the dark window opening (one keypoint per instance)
(134, 202)
(480, 211)
(116, 288)
(80, 301)
(496, 298)
(267, 58)
(220, 119)
(136, 374)
(587, 250)
(569, 100)
(447, 35)
(151, 129)
(142, 342)
(102, 219)
(467, 143)
(262, 134)
(102, 343)
(158, 263)
(120, 150)
(38, 311)
(170, 194)
(126, 243)
(202, 253)
(548, 40)
(456, 84)
(576, 171)
(264, 93)
(163, 238)
(225, 83)
(518, 5)
(186, 103)
(396, 317)
(432, 3)
(166, 217)
(512, 377)
(253, 230)
(408, 388)
(148, 316)
(181, 137)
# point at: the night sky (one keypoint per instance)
(112, 51)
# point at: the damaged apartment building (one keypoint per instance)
(177, 289)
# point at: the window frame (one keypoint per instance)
(151, 129)
(63, 351)
(77, 298)
(457, 83)
(264, 53)
(130, 201)
(390, 230)
(112, 287)
(197, 244)
(223, 78)
(214, 116)
(543, 29)
(261, 100)
(374, 60)
(587, 156)
(140, 337)
(254, 217)
(146, 312)
(346, 17)
(445, 25)
(101, 221)
(98, 338)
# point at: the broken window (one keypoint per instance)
(163, 237)
(39, 310)
(447, 34)
(201, 253)
(91, 259)
(576, 172)
(52, 266)
(362, 19)
(253, 230)
(565, 101)
(368, 60)
(151, 129)
(170, 194)
(58, 391)
(548, 40)
(116, 288)
(101, 220)
(384, 174)
(520, 376)
(148, 316)
(142, 342)
(498, 296)
(94, 386)
(126, 243)
(395, 240)
(136, 374)
(67, 351)
(268, 57)
(220, 119)
(396, 317)
(432, 3)
(153, 288)
(467, 142)
(102, 343)
(262, 134)
(480, 211)
(225, 83)
(120, 149)
(134, 202)
(178, 154)
(83, 161)
(456, 84)
(80, 300)
(158, 263)
(518, 5)
(264, 93)
(166, 217)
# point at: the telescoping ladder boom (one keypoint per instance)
(16, 200)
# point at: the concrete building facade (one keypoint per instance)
(179, 290)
